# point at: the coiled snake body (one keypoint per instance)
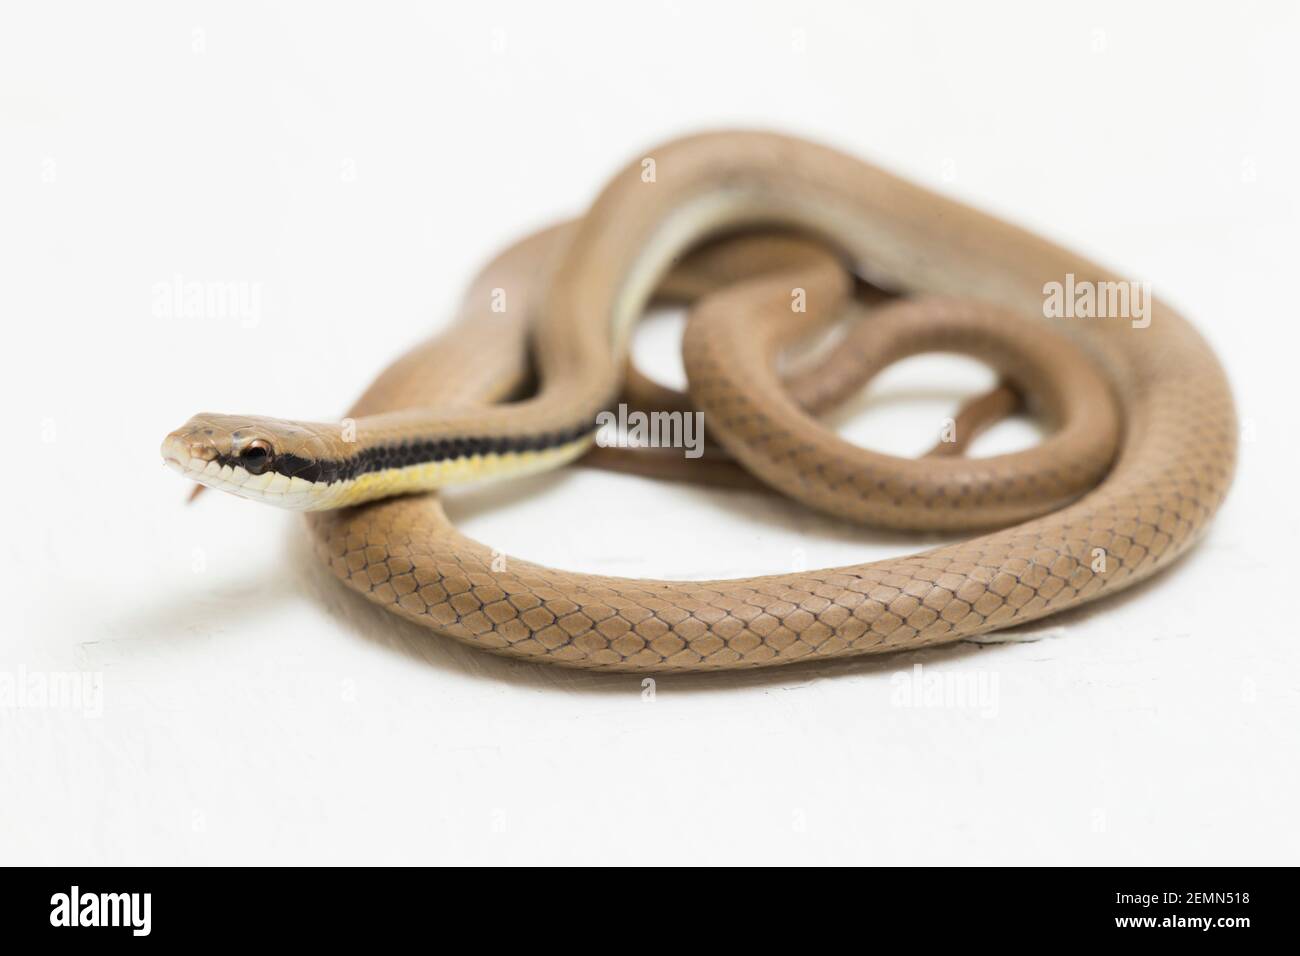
(1142, 453)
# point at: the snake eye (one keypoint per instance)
(256, 457)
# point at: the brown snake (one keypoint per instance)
(1142, 453)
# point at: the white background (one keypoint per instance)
(360, 162)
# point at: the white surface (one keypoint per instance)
(360, 163)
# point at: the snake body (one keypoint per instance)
(1142, 455)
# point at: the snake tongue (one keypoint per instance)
(198, 489)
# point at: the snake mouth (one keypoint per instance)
(201, 462)
(220, 473)
(176, 456)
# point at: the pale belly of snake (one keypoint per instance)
(771, 240)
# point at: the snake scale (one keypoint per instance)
(741, 224)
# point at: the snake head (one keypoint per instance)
(265, 459)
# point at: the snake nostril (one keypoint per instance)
(202, 451)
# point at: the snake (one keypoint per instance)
(771, 240)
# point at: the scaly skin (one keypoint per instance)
(1174, 464)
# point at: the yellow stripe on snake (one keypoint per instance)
(741, 225)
